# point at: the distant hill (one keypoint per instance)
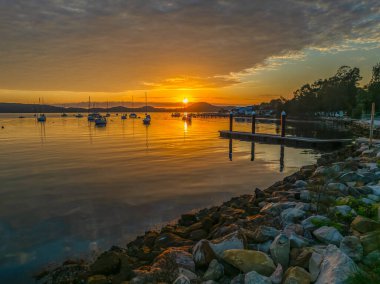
(33, 108)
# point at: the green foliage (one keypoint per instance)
(366, 210)
(371, 275)
(321, 223)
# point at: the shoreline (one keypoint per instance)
(206, 245)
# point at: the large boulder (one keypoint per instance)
(234, 240)
(351, 246)
(337, 187)
(277, 275)
(296, 275)
(336, 267)
(370, 241)
(263, 234)
(107, 263)
(315, 265)
(345, 210)
(291, 215)
(364, 225)
(328, 235)
(311, 222)
(203, 253)
(215, 271)
(249, 260)
(280, 249)
(255, 278)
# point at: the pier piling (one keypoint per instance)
(283, 123)
(253, 122)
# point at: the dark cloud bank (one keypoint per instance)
(114, 45)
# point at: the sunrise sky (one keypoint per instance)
(222, 52)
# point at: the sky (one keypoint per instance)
(219, 51)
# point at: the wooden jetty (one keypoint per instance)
(287, 140)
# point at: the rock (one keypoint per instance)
(293, 228)
(238, 279)
(198, 235)
(337, 187)
(300, 183)
(372, 259)
(107, 263)
(309, 223)
(315, 265)
(296, 275)
(351, 246)
(345, 210)
(275, 209)
(367, 201)
(264, 247)
(264, 233)
(210, 282)
(248, 260)
(166, 240)
(280, 249)
(300, 257)
(215, 271)
(336, 267)
(328, 235)
(234, 240)
(259, 193)
(370, 241)
(276, 276)
(182, 279)
(373, 197)
(297, 241)
(97, 279)
(171, 260)
(375, 189)
(187, 219)
(203, 253)
(189, 274)
(291, 215)
(351, 177)
(364, 225)
(255, 278)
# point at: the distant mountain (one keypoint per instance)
(33, 108)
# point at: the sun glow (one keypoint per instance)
(185, 100)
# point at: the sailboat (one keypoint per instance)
(147, 118)
(63, 112)
(108, 113)
(91, 116)
(123, 116)
(41, 117)
(101, 121)
(132, 115)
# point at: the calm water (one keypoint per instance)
(70, 189)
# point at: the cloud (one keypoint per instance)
(116, 45)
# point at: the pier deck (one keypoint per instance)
(287, 140)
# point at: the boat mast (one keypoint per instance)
(146, 104)
(89, 104)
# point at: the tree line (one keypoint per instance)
(340, 92)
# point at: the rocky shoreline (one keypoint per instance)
(318, 225)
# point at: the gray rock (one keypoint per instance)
(275, 209)
(308, 222)
(182, 279)
(277, 275)
(291, 215)
(303, 206)
(367, 201)
(264, 233)
(345, 210)
(234, 240)
(364, 225)
(296, 275)
(300, 183)
(337, 187)
(280, 250)
(336, 267)
(351, 177)
(238, 279)
(375, 189)
(351, 246)
(315, 265)
(264, 247)
(254, 278)
(297, 241)
(215, 271)
(189, 274)
(328, 235)
(373, 197)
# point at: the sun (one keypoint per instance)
(185, 100)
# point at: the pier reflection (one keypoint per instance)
(253, 150)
